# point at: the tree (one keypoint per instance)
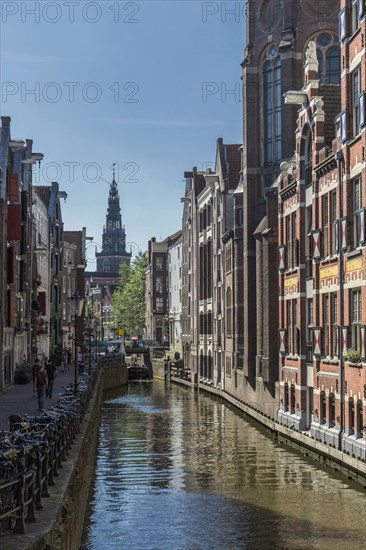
(129, 299)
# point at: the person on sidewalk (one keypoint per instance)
(41, 385)
(51, 371)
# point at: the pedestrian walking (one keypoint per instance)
(51, 371)
(41, 385)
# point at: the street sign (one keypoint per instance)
(121, 332)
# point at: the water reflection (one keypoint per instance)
(176, 471)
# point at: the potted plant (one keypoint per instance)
(352, 356)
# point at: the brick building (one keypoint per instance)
(18, 266)
(277, 39)
(321, 254)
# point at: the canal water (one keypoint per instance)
(179, 471)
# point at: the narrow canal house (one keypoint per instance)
(208, 268)
(18, 266)
(321, 250)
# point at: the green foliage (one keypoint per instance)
(23, 374)
(352, 355)
(129, 299)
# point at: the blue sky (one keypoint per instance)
(122, 82)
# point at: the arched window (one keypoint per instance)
(329, 57)
(106, 265)
(272, 100)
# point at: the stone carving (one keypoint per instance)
(311, 53)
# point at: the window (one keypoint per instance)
(106, 265)
(228, 312)
(309, 242)
(309, 323)
(326, 324)
(159, 305)
(159, 285)
(159, 263)
(288, 241)
(356, 318)
(356, 92)
(228, 258)
(355, 20)
(291, 241)
(325, 224)
(228, 366)
(272, 99)
(356, 206)
(334, 321)
(239, 216)
(296, 335)
(334, 223)
(329, 58)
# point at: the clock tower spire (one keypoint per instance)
(113, 251)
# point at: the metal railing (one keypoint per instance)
(32, 452)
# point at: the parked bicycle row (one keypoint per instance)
(32, 451)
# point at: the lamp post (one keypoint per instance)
(75, 300)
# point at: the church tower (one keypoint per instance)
(113, 252)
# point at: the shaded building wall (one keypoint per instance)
(276, 37)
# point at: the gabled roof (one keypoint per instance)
(44, 192)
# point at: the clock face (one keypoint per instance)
(107, 240)
(122, 241)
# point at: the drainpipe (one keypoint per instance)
(340, 161)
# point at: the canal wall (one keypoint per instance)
(158, 367)
(59, 525)
(315, 450)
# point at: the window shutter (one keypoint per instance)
(361, 8)
(361, 225)
(362, 110)
(342, 25)
(14, 222)
(282, 343)
(344, 233)
(317, 341)
(282, 258)
(343, 126)
(316, 244)
(344, 344)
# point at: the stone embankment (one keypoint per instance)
(59, 525)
